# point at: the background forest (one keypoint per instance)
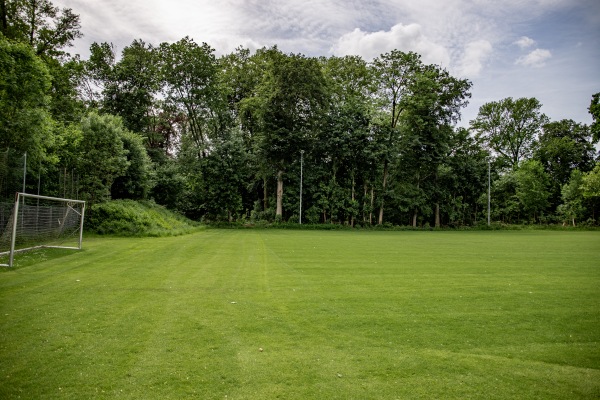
(269, 135)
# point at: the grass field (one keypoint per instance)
(266, 314)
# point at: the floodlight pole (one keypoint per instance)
(301, 167)
(489, 191)
(24, 170)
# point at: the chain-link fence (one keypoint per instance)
(18, 174)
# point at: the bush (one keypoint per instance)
(136, 218)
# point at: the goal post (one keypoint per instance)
(41, 222)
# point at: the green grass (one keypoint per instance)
(136, 218)
(337, 314)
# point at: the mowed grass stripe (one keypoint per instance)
(336, 314)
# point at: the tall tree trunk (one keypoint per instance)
(385, 175)
(365, 204)
(414, 224)
(32, 23)
(265, 194)
(380, 219)
(372, 204)
(279, 211)
(3, 17)
(64, 182)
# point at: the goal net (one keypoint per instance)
(40, 221)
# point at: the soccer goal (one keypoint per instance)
(41, 221)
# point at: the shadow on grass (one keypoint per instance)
(33, 257)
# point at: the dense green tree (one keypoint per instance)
(431, 109)
(225, 134)
(38, 104)
(563, 147)
(506, 206)
(25, 121)
(467, 179)
(510, 128)
(189, 75)
(594, 109)
(164, 132)
(128, 86)
(102, 157)
(572, 207)
(98, 73)
(394, 73)
(591, 189)
(59, 175)
(66, 105)
(169, 184)
(591, 183)
(240, 76)
(45, 27)
(289, 105)
(137, 179)
(345, 147)
(532, 188)
(225, 171)
(48, 30)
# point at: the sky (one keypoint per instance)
(547, 49)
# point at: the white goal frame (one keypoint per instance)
(15, 220)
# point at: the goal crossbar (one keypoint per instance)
(15, 219)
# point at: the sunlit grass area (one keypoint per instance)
(264, 314)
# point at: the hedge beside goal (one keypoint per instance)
(41, 221)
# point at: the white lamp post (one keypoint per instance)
(489, 191)
(301, 167)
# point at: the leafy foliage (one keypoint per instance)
(136, 181)
(44, 27)
(591, 183)
(510, 127)
(594, 109)
(102, 156)
(136, 218)
(221, 138)
(572, 207)
(188, 71)
(25, 123)
(532, 188)
(225, 173)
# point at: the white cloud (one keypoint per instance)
(400, 37)
(473, 57)
(482, 40)
(537, 58)
(525, 42)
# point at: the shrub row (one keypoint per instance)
(389, 227)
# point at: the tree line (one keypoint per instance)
(227, 138)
